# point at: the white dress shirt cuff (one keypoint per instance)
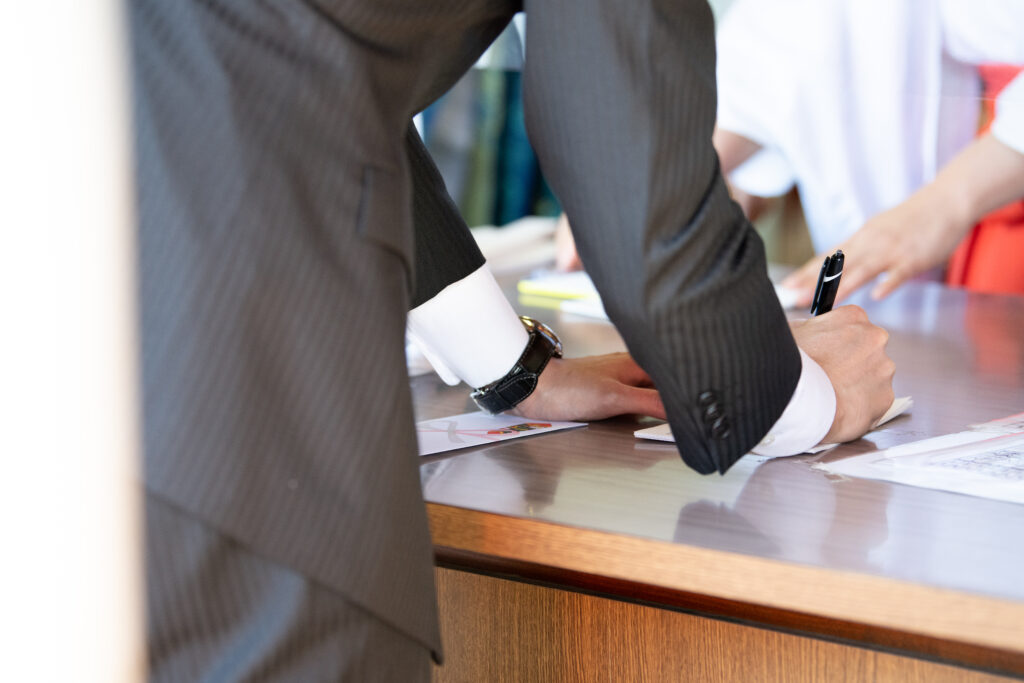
(807, 418)
(469, 331)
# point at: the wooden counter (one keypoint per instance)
(590, 555)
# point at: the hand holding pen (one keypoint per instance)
(851, 351)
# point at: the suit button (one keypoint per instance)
(707, 398)
(712, 413)
(720, 428)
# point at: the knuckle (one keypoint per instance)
(853, 313)
(612, 397)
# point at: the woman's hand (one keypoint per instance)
(903, 242)
(923, 231)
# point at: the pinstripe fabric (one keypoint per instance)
(276, 265)
(445, 249)
(275, 258)
(260, 621)
(277, 262)
(620, 105)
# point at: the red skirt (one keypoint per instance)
(991, 257)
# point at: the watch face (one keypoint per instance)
(541, 328)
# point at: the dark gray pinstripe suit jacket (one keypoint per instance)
(278, 255)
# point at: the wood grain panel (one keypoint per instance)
(500, 631)
(984, 632)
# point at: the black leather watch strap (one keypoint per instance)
(509, 391)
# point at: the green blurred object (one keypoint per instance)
(477, 136)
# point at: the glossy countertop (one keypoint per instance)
(959, 355)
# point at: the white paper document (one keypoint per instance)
(899, 406)
(1004, 425)
(474, 429)
(575, 285)
(987, 461)
(660, 432)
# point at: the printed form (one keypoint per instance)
(986, 461)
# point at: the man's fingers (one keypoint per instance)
(642, 402)
(629, 372)
(621, 367)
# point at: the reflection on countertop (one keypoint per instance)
(960, 355)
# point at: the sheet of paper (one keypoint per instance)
(589, 308)
(660, 432)
(1004, 425)
(576, 285)
(899, 406)
(474, 429)
(520, 245)
(987, 464)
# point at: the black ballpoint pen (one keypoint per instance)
(828, 283)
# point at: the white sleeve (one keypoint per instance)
(765, 174)
(982, 31)
(469, 331)
(1008, 126)
(807, 418)
(754, 44)
(756, 88)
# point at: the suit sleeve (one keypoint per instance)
(620, 105)
(445, 251)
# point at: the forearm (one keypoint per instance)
(444, 249)
(628, 150)
(733, 149)
(983, 177)
(469, 332)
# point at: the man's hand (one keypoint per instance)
(851, 351)
(592, 388)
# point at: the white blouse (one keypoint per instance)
(858, 103)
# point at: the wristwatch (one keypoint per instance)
(512, 389)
